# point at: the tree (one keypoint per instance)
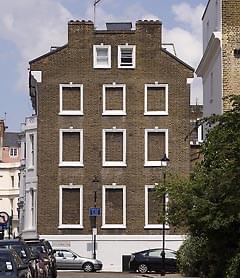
(208, 204)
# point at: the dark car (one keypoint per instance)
(67, 259)
(24, 252)
(151, 260)
(11, 265)
(53, 265)
(46, 253)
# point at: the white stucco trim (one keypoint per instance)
(157, 112)
(113, 226)
(151, 163)
(70, 226)
(70, 112)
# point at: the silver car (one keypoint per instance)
(67, 259)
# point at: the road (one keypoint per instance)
(80, 274)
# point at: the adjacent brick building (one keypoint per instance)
(110, 104)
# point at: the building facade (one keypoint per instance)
(110, 104)
(9, 177)
(28, 179)
(220, 64)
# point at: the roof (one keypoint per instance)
(11, 139)
(119, 26)
(178, 60)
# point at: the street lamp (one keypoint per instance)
(95, 182)
(165, 160)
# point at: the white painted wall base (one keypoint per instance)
(111, 248)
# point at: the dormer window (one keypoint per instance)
(126, 56)
(102, 56)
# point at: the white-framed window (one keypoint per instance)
(32, 151)
(102, 56)
(13, 152)
(114, 147)
(114, 99)
(153, 209)
(114, 206)
(71, 99)
(71, 147)
(127, 56)
(156, 146)
(156, 99)
(71, 206)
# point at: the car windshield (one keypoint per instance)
(5, 264)
(21, 251)
(38, 249)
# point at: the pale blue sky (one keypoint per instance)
(29, 27)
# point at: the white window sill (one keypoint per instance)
(114, 164)
(66, 226)
(102, 66)
(71, 113)
(155, 164)
(113, 226)
(156, 113)
(114, 113)
(71, 164)
(126, 67)
(156, 226)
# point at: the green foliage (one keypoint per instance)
(192, 256)
(208, 203)
(233, 270)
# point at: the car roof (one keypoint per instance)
(11, 242)
(153, 249)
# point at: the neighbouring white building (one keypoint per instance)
(28, 179)
(220, 64)
(9, 176)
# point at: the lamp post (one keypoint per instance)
(94, 224)
(165, 159)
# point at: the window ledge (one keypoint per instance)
(114, 113)
(126, 67)
(156, 113)
(102, 67)
(71, 164)
(155, 164)
(71, 113)
(64, 226)
(114, 164)
(156, 226)
(113, 226)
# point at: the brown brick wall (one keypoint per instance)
(70, 204)
(73, 63)
(71, 146)
(114, 98)
(156, 146)
(114, 146)
(230, 41)
(156, 99)
(114, 206)
(71, 98)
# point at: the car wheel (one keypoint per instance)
(88, 267)
(142, 268)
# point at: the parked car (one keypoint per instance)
(67, 259)
(151, 260)
(11, 265)
(38, 249)
(50, 251)
(24, 252)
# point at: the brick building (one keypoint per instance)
(110, 104)
(220, 64)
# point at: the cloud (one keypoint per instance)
(31, 25)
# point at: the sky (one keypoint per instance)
(28, 28)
